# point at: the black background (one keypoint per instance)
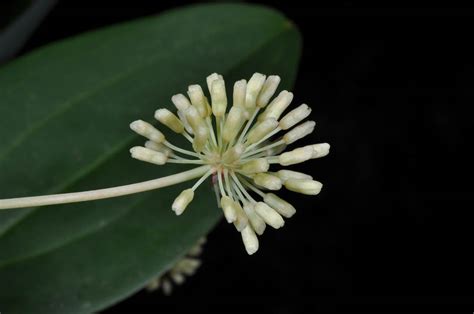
(391, 90)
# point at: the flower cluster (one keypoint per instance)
(186, 266)
(236, 147)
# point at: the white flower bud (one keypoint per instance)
(268, 181)
(200, 137)
(148, 155)
(218, 98)
(181, 102)
(320, 150)
(177, 277)
(281, 206)
(190, 265)
(235, 120)
(233, 154)
(240, 88)
(147, 130)
(197, 249)
(268, 89)
(256, 221)
(182, 201)
(242, 221)
(193, 118)
(185, 122)
(295, 116)
(254, 86)
(198, 100)
(211, 78)
(296, 156)
(250, 240)
(303, 186)
(228, 208)
(269, 215)
(167, 287)
(261, 129)
(170, 120)
(299, 132)
(277, 106)
(289, 174)
(158, 147)
(255, 166)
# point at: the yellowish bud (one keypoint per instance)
(250, 240)
(320, 150)
(193, 118)
(170, 120)
(242, 221)
(268, 181)
(185, 122)
(256, 221)
(198, 100)
(158, 147)
(295, 116)
(268, 89)
(240, 88)
(261, 129)
(181, 102)
(148, 155)
(303, 186)
(147, 130)
(281, 206)
(201, 135)
(289, 174)
(182, 201)
(277, 106)
(235, 120)
(218, 98)
(299, 132)
(254, 87)
(296, 156)
(269, 215)
(255, 166)
(211, 78)
(228, 208)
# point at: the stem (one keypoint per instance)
(247, 126)
(204, 177)
(236, 180)
(240, 196)
(186, 161)
(253, 187)
(103, 193)
(180, 150)
(221, 186)
(259, 155)
(188, 137)
(227, 185)
(263, 139)
(211, 130)
(252, 152)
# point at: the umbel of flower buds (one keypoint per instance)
(239, 141)
(234, 137)
(177, 273)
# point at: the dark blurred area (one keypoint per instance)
(391, 90)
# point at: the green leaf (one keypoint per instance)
(64, 116)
